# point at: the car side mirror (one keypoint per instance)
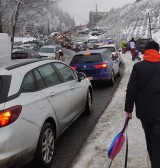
(81, 76)
(114, 57)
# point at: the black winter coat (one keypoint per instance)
(144, 90)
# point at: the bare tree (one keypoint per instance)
(17, 12)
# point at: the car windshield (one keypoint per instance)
(111, 49)
(80, 59)
(46, 50)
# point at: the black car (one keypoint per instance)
(24, 54)
(141, 43)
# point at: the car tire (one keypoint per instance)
(112, 79)
(45, 147)
(88, 109)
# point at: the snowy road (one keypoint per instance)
(73, 139)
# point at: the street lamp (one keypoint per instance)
(150, 29)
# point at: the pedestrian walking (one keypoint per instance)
(132, 45)
(123, 46)
(136, 56)
(60, 54)
(143, 90)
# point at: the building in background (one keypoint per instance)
(96, 17)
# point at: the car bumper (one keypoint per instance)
(101, 77)
(17, 145)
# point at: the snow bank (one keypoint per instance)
(94, 152)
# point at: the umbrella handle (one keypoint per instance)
(126, 124)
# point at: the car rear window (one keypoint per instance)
(86, 58)
(19, 55)
(111, 49)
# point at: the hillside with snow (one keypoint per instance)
(133, 21)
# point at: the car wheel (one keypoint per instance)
(88, 109)
(112, 79)
(45, 147)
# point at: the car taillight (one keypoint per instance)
(9, 115)
(101, 66)
(74, 67)
(116, 54)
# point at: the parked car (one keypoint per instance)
(79, 46)
(113, 49)
(98, 65)
(49, 51)
(35, 42)
(17, 48)
(93, 43)
(39, 99)
(28, 46)
(24, 54)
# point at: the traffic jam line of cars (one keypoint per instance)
(32, 115)
(32, 51)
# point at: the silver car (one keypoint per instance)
(39, 99)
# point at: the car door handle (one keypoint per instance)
(52, 94)
(72, 88)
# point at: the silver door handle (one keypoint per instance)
(72, 88)
(52, 94)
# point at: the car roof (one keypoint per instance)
(108, 45)
(97, 51)
(9, 64)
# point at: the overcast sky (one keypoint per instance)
(79, 9)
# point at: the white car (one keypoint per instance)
(49, 51)
(5, 46)
(113, 49)
(39, 99)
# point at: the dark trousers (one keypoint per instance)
(152, 133)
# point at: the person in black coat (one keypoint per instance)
(143, 90)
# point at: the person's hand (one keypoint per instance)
(129, 115)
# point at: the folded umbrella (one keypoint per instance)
(117, 143)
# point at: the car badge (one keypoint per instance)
(84, 66)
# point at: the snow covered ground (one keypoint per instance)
(94, 151)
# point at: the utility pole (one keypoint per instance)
(96, 15)
(48, 27)
(1, 29)
(73, 21)
(150, 29)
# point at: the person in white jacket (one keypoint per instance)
(132, 45)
